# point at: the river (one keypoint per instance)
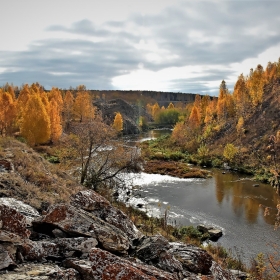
(226, 201)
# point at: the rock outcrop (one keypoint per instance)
(90, 239)
(129, 113)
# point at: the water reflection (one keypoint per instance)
(245, 198)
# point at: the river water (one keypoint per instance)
(228, 201)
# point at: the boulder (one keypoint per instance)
(239, 274)
(221, 274)
(29, 212)
(108, 266)
(154, 250)
(92, 202)
(5, 259)
(214, 233)
(7, 236)
(193, 259)
(41, 272)
(79, 223)
(56, 249)
(14, 222)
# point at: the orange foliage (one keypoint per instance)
(118, 122)
(7, 113)
(35, 125)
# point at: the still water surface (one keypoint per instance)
(226, 201)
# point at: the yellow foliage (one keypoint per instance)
(56, 128)
(35, 126)
(118, 122)
(230, 151)
(7, 113)
(240, 126)
(194, 118)
(170, 106)
(83, 107)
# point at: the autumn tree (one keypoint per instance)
(241, 96)
(35, 125)
(7, 113)
(56, 95)
(55, 121)
(230, 152)
(83, 107)
(194, 119)
(240, 127)
(118, 122)
(222, 105)
(170, 106)
(99, 156)
(68, 109)
(155, 110)
(21, 101)
(169, 116)
(255, 85)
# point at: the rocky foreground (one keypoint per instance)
(90, 239)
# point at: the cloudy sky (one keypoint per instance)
(166, 45)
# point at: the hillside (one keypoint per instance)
(259, 124)
(27, 176)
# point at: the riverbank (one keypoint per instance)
(174, 168)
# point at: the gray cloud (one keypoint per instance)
(196, 32)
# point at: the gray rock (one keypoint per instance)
(96, 204)
(79, 223)
(14, 222)
(5, 259)
(214, 233)
(193, 259)
(41, 272)
(239, 274)
(29, 212)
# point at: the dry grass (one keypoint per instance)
(34, 180)
(173, 168)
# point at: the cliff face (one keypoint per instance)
(85, 237)
(130, 114)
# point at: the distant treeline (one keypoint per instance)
(145, 97)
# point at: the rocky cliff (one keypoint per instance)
(130, 114)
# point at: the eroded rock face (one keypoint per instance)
(14, 222)
(93, 202)
(80, 223)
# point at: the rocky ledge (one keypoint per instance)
(90, 239)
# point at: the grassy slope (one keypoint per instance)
(34, 180)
